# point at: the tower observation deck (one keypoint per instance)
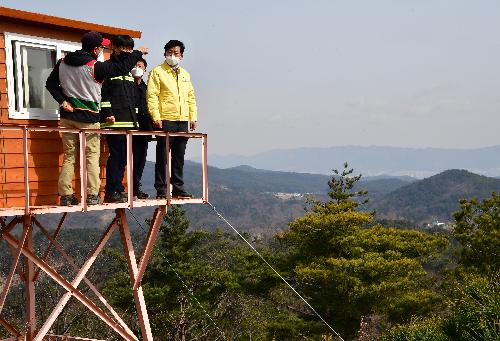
(25, 216)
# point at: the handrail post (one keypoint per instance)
(204, 166)
(83, 168)
(168, 169)
(130, 170)
(26, 171)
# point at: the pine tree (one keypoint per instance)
(349, 270)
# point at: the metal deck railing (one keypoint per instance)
(83, 207)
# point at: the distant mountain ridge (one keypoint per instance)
(371, 160)
(436, 197)
(262, 201)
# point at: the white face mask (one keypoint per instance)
(172, 60)
(100, 56)
(137, 72)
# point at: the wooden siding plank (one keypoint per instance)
(38, 201)
(38, 174)
(4, 104)
(2, 41)
(34, 160)
(18, 134)
(15, 146)
(3, 69)
(3, 86)
(19, 186)
(50, 190)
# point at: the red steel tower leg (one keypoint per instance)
(30, 284)
(133, 271)
(148, 248)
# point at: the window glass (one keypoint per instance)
(36, 67)
(29, 62)
(15, 77)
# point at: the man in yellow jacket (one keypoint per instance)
(172, 106)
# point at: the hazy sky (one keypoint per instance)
(286, 74)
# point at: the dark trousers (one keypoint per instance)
(140, 150)
(117, 161)
(178, 148)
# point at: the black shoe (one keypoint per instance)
(161, 195)
(181, 195)
(115, 197)
(93, 199)
(68, 200)
(141, 195)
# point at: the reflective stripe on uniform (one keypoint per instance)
(118, 125)
(123, 78)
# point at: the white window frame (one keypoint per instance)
(32, 41)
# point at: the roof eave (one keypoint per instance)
(50, 20)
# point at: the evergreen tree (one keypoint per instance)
(349, 270)
(473, 294)
(478, 231)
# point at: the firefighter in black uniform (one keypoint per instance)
(119, 107)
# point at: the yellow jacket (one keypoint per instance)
(170, 94)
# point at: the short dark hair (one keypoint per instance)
(122, 41)
(144, 61)
(174, 43)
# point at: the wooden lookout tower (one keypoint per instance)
(30, 159)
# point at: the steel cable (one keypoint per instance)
(276, 272)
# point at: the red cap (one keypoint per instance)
(93, 39)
